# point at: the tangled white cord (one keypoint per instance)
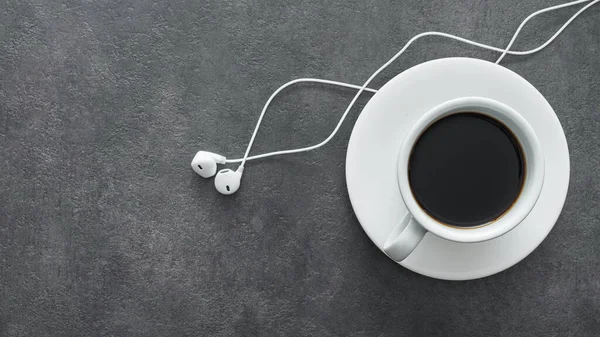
(364, 86)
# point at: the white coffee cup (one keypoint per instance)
(407, 234)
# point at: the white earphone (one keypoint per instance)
(205, 163)
(228, 181)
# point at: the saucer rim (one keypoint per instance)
(549, 218)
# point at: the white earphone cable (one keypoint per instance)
(364, 86)
(555, 34)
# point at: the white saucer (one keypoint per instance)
(380, 128)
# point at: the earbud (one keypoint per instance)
(228, 181)
(205, 163)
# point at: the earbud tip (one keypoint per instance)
(228, 181)
(204, 165)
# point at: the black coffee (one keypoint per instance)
(466, 169)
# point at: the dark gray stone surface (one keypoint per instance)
(106, 231)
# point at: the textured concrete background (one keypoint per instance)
(106, 231)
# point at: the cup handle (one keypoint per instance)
(404, 238)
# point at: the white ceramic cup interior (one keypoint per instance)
(407, 234)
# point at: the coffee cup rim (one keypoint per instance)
(532, 184)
